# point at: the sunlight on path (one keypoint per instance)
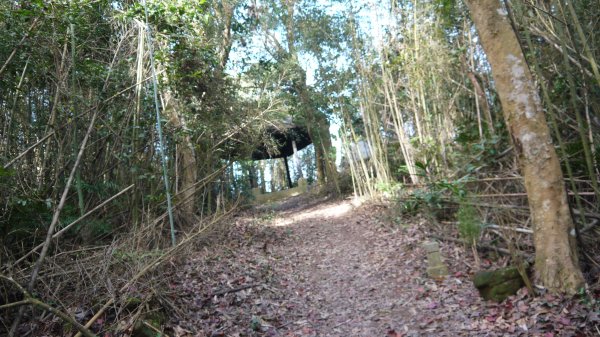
(343, 270)
(330, 211)
(331, 268)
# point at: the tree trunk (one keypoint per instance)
(318, 140)
(225, 13)
(252, 175)
(262, 168)
(556, 261)
(320, 135)
(186, 158)
(318, 130)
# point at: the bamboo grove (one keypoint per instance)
(431, 113)
(84, 85)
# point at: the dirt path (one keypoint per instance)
(332, 269)
(347, 273)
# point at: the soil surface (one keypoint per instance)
(333, 268)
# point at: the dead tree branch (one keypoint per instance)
(30, 300)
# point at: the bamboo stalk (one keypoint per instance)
(30, 300)
(583, 39)
(582, 128)
(66, 228)
(55, 217)
(154, 264)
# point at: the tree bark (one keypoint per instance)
(556, 261)
(186, 157)
(318, 130)
(225, 12)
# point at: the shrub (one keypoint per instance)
(469, 224)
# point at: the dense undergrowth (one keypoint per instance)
(129, 126)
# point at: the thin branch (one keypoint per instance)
(14, 51)
(61, 203)
(83, 330)
(14, 304)
(7, 165)
(41, 141)
(59, 233)
(30, 300)
(154, 264)
(55, 217)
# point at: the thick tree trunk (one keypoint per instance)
(556, 260)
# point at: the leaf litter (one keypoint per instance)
(329, 268)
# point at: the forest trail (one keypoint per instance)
(349, 272)
(330, 268)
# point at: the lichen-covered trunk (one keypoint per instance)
(556, 261)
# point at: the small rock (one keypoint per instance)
(497, 285)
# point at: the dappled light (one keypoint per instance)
(299, 168)
(325, 212)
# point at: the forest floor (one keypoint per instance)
(332, 268)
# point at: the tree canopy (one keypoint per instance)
(133, 124)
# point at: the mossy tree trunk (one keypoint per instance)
(556, 262)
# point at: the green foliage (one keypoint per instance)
(102, 189)
(432, 198)
(456, 188)
(4, 173)
(171, 16)
(95, 229)
(421, 169)
(429, 151)
(25, 215)
(450, 13)
(471, 153)
(320, 33)
(421, 200)
(469, 224)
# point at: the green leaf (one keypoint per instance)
(5, 172)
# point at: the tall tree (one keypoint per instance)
(556, 261)
(300, 30)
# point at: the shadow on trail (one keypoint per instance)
(329, 268)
